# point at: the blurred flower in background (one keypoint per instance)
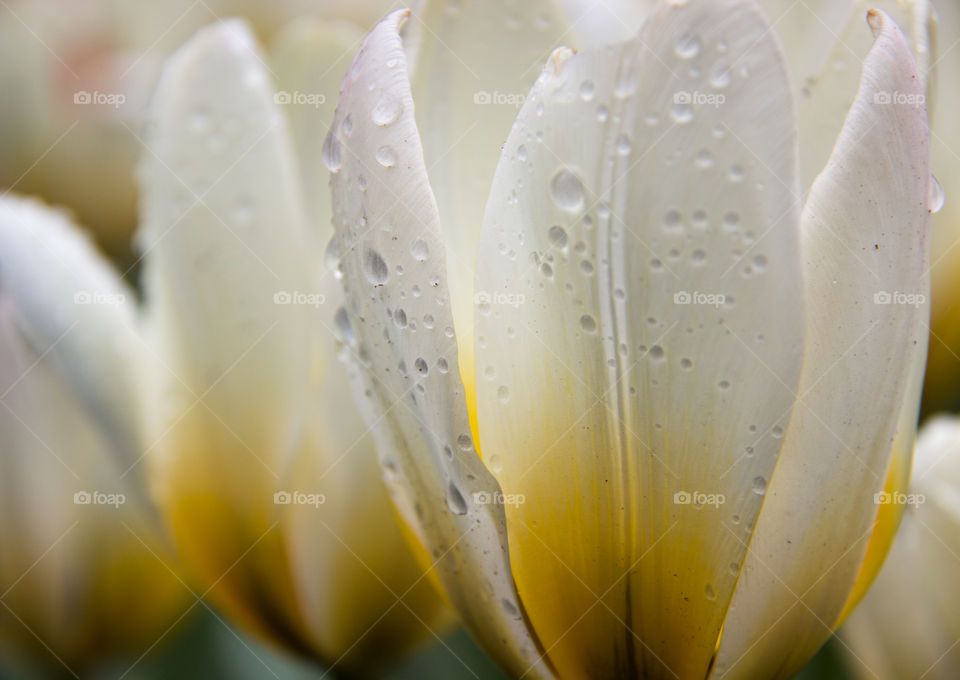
(84, 572)
(263, 469)
(669, 304)
(78, 75)
(908, 625)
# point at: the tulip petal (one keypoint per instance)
(865, 226)
(75, 309)
(398, 325)
(639, 334)
(826, 45)
(231, 304)
(310, 57)
(467, 97)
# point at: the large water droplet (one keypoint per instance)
(759, 486)
(935, 195)
(588, 323)
(681, 113)
(330, 153)
(687, 46)
(420, 250)
(456, 501)
(374, 268)
(558, 236)
(386, 110)
(567, 190)
(421, 365)
(342, 321)
(465, 442)
(386, 156)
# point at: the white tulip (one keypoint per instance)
(689, 356)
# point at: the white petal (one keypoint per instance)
(310, 57)
(231, 300)
(865, 227)
(467, 95)
(826, 44)
(639, 333)
(401, 328)
(604, 22)
(75, 309)
(225, 244)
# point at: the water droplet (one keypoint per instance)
(698, 256)
(400, 318)
(347, 125)
(420, 250)
(720, 76)
(567, 190)
(442, 365)
(602, 113)
(760, 262)
(330, 153)
(510, 608)
(759, 486)
(704, 159)
(386, 156)
(624, 144)
(776, 432)
(686, 363)
(342, 321)
(673, 219)
(465, 442)
(521, 153)
(421, 365)
(455, 500)
(699, 219)
(935, 195)
(586, 266)
(731, 221)
(656, 352)
(724, 384)
(710, 593)
(496, 464)
(735, 174)
(588, 323)
(374, 267)
(558, 236)
(687, 46)
(386, 110)
(586, 90)
(503, 394)
(331, 258)
(681, 113)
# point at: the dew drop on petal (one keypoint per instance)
(386, 110)
(374, 268)
(420, 250)
(759, 486)
(936, 197)
(558, 236)
(567, 191)
(386, 156)
(687, 46)
(456, 501)
(330, 153)
(588, 323)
